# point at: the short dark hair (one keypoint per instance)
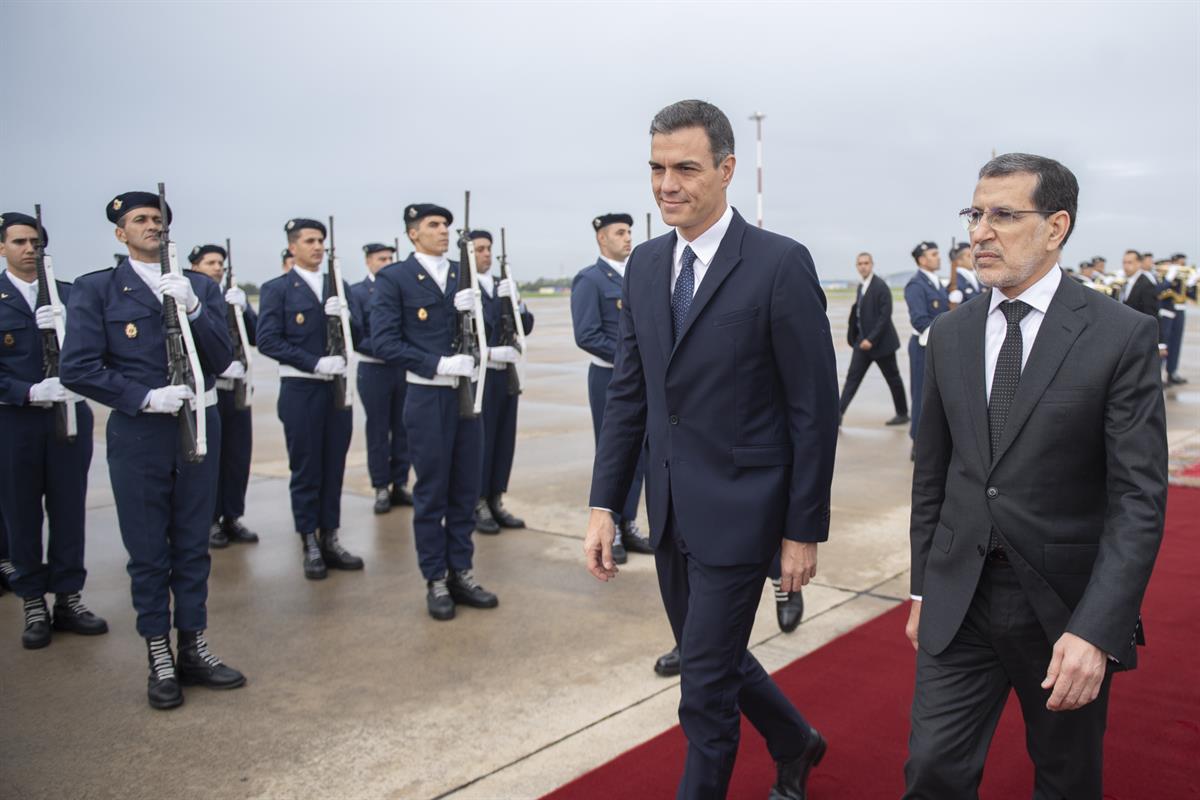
(698, 114)
(865, 253)
(1134, 252)
(1056, 189)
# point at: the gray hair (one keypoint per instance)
(698, 114)
(1056, 189)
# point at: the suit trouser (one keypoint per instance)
(860, 362)
(382, 389)
(318, 436)
(1175, 341)
(237, 442)
(961, 691)
(916, 377)
(164, 508)
(37, 465)
(499, 434)
(446, 451)
(598, 380)
(712, 610)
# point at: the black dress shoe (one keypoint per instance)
(899, 419)
(162, 688)
(199, 667)
(1175, 379)
(70, 614)
(438, 600)
(314, 564)
(789, 609)
(336, 556)
(791, 777)
(466, 590)
(484, 521)
(503, 517)
(217, 538)
(383, 500)
(37, 624)
(619, 554)
(401, 496)
(668, 664)
(237, 533)
(632, 538)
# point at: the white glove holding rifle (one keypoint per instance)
(48, 391)
(330, 365)
(167, 399)
(180, 288)
(465, 299)
(334, 306)
(459, 366)
(236, 297)
(504, 355)
(45, 318)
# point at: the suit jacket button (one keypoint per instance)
(979, 549)
(991, 492)
(666, 463)
(674, 420)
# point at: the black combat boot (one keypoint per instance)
(383, 500)
(438, 600)
(162, 690)
(789, 607)
(484, 521)
(314, 565)
(336, 556)
(6, 573)
(237, 533)
(70, 614)
(466, 590)
(632, 538)
(37, 624)
(502, 515)
(217, 538)
(401, 496)
(199, 667)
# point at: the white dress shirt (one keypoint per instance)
(705, 247)
(436, 266)
(867, 282)
(28, 290)
(487, 283)
(932, 277)
(1038, 297)
(619, 266)
(313, 279)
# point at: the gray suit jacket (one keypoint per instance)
(1078, 488)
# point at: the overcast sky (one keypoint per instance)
(879, 116)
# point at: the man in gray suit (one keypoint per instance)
(1038, 499)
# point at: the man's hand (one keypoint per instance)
(865, 344)
(180, 288)
(235, 370)
(236, 297)
(798, 561)
(465, 299)
(45, 318)
(168, 399)
(1076, 673)
(597, 545)
(459, 366)
(329, 365)
(334, 306)
(914, 623)
(506, 288)
(48, 391)
(504, 355)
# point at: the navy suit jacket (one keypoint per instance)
(741, 413)
(115, 350)
(291, 323)
(413, 322)
(924, 301)
(20, 343)
(596, 309)
(492, 306)
(874, 315)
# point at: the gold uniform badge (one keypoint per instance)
(619, 306)
(299, 317)
(116, 204)
(935, 303)
(9, 341)
(422, 314)
(131, 331)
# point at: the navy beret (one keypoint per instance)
(122, 204)
(611, 219)
(480, 234)
(418, 211)
(10, 218)
(1098, 258)
(285, 255)
(922, 248)
(300, 223)
(1178, 256)
(376, 247)
(201, 250)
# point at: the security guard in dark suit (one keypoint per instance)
(414, 313)
(38, 466)
(382, 388)
(115, 353)
(926, 299)
(237, 430)
(968, 283)
(595, 313)
(499, 407)
(291, 330)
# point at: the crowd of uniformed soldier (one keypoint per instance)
(403, 318)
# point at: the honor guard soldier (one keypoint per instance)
(926, 299)
(292, 330)
(289, 260)
(39, 462)
(237, 432)
(499, 400)
(968, 283)
(382, 388)
(414, 315)
(1181, 282)
(116, 353)
(595, 313)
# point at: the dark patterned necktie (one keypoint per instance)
(1004, 382)
(685, 285)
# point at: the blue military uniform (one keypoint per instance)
(499, 407)
(237, 440)
(968, 284)
(925, 301)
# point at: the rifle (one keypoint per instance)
(65, 426)
(953, 273)
(242, 388)
(471, 338)
(396, 255)
(183, 360)
(337, 329)
(649, 235)
(512, 328)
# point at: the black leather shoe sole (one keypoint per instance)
(898, 420)
(237, 538)
(37, 637)
(166, 699)
(667, 666)
(402, 498)
(513, 523)
(486, 527)
(204, 679)
(315, 573)
(382, 507)
(218, 541)
(333, 562)
(93, 627)
(440, 611)
(470, 599)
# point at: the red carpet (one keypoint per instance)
(857, 691)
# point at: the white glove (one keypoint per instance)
(236, 369)
(956, 296)
(334, 306)
(464, 300)
(462, 366)
(180, 288)
(330, 365)
(235, 297)
(506, 288)
(45, 318)
(168, 399)
(48, 391)
(504, 355)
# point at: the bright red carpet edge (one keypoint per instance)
(857, 689)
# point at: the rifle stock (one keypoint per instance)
(242, 388)
(512, 330)
(65, 427)
(337, 328)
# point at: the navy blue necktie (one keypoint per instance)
(685, 285)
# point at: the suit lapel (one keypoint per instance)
(424, 278)
(133, 286)
(1058, 332)
(729, 255)
(660, 293)
(607, 271)
(973, 366)
(13, 296)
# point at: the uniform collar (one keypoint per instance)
(619, 266)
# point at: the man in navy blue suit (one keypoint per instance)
(926, 298)
(725, 365)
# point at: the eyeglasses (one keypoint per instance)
(997, 218)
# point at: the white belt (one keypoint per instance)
(1166, 313)
(447, 381)
(226, 384)
(600, 362)
(288, 371)
(210, 398)
(369, 359)
(499, 366)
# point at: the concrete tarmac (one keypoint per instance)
(354, 692)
